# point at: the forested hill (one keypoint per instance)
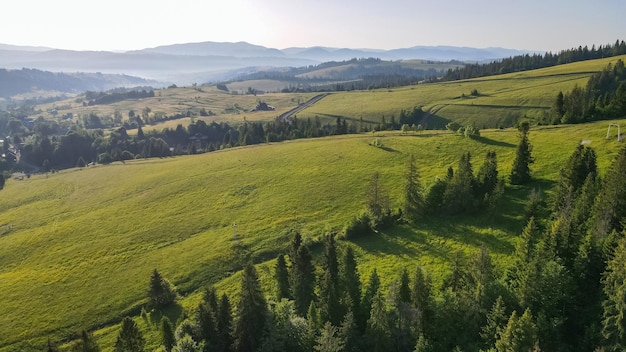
(535, 61)
(15, 82)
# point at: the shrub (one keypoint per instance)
(358, 227)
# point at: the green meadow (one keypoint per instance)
(77, 247)
(501, 100)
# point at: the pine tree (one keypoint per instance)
(520, 334)
(329, 339)
(368, 297)
(314, 323)
(422, 344)
(422, 300)
(130, 338)
(252, 313)
(168, 340)
(161, 293)
(610, 207)
(329, 296)
(459, 194)
(378, 330)
(281, 276)
(520, 172)
(496, 322)
(302, 280)
(614, 305)
(350, 282)
(404, 290)
(413, 193)
(187, 344)
(348, 333)
(487, 177)
(205, 316)
(224, 325)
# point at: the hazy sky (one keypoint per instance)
(382, 24)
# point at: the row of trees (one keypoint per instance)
(535, 61)
(604, 97)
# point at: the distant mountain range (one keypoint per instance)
(184, 64)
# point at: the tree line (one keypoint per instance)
(604, 97)
(530, 62)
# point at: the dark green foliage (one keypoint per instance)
(610, 207)
(487, 177)
(423, 302)
(348, 333)
(281, 276)
(358, 227)
(404, 290)
(614, 305)
(520, 172)
(205, 317)
(329, 339)
(459, 194)
(252, 313)
(329, 295)
(51, 347)
(413, 193)
(434, 198)
(2, 181)
(130, 338)
(422, 344)
(377, 201)
(378, 329)
(302, 279)
(350, 282)
(368, 297)
(224, 325)
(161, 293)
(519, 335)
(168, 340)
(496, 322)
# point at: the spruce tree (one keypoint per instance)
(252, 313)
(519, 335)
(520, 172)
(368, 297)
(329, 339)
(487, 177)
(205, 316)
(404, 291)
(350, 282)
(614, 305)
(378, 330)
(281, 275)
(413, 193)
(224, 325)
(130, 338)
(303, 280)
(421, 295)
(329, 295)
(348, 333)
(161, 293)
(496, 321)
(168, 339)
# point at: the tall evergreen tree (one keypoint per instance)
(329, 295)
(421, 295)
(487, 177)
(130, 338)
(413, 193)
(368, 297)
(610, 207)
(252, 313)
(519, 335)
(496, 322)
(161, 293)
(614, 305)
(302, 280)
(281, 276)
(350, 282)
(520, 172)
(348, 333)
(378, 329)
(205, 316)
(224, 325)
(329, 339)
(459, 194)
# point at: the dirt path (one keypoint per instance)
(302, 106)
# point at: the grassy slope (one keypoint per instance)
(173, 101)
(502, 99)
(83, 242)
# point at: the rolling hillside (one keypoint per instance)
(77, 247)
(501, 101)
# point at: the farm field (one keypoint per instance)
(78, 246)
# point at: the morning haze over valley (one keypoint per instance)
(312, 176)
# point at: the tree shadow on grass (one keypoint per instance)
(173, 312)
(489, 141)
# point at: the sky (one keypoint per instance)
(118, 25)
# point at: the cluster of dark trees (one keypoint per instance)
(43, 149)
(535, 61)
(604, 97)
(103, 98)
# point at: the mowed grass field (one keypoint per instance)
(77, 247)
(501, 101)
